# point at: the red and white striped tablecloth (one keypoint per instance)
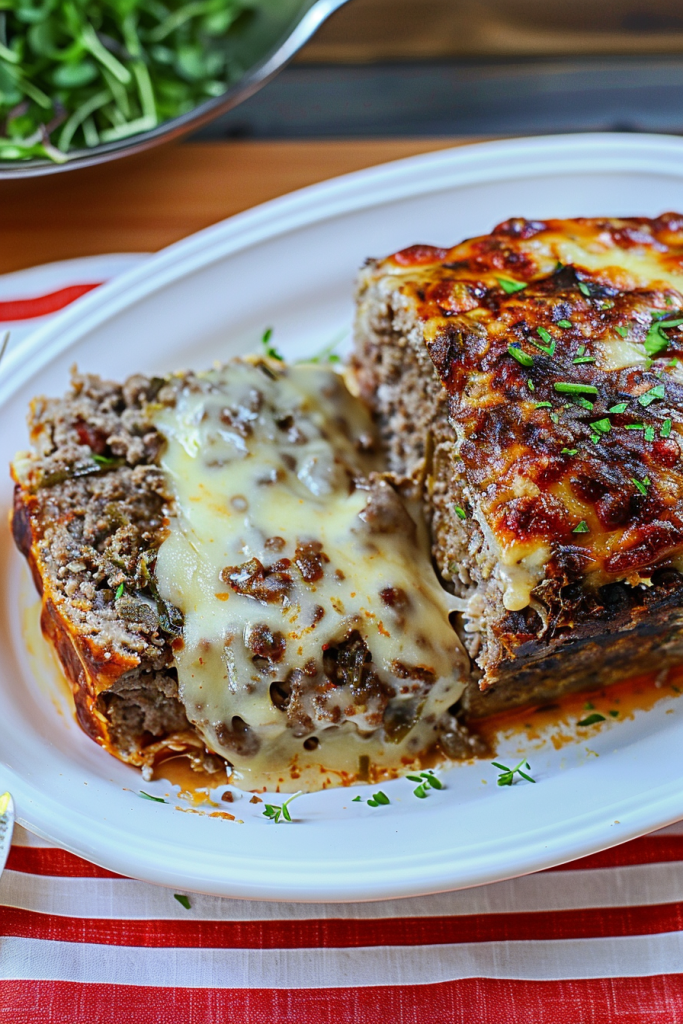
(599, 941)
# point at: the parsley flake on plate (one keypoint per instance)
(507, 776)
(523, 358)
(277, 812)
(592, 719)
(570, 388)
(510, 287)
(582, 527)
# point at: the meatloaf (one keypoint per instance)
(225, 573)
(528, 387)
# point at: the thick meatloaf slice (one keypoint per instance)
(529, 388)
(89, 514)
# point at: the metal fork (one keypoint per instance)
(6, 827)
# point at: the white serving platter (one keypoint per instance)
(291, 264)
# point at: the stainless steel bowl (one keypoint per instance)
(270, 41)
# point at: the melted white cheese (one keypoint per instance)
(264, 460)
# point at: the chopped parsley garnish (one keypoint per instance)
(652, 395)
(583, 359)
(641, 485)
(602, 426)
(378, 798)
(584, 403)
(666, 428)
(564, 323)
(592, 719)
(555, 417)
(655, 339)
(271, 351)
(276, 811)
(623, 331)
(510, 287)
(620, 407)
(424, 781)
(613, 714)
(357, 799)
(543, 405)
(582, 527)
(581, 350)
(634, 426)
(569, 451)
(531, 386)
(147, 796)
(547, 337)
(106, 461)
(507, 776)
(649, 433)
(569, 388)
(182, 900)
(523, 358)
(460, 512)
(120, 591)
(670, 323)
(584, 289)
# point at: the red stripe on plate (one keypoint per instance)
(645, 850)
(36, 860)
(27, 309)
(653, 1000)
(343, 933)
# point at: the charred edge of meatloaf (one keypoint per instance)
(591, 638)
(89, 511)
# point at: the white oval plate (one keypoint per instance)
(291, 264)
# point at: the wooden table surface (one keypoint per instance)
(143, 203)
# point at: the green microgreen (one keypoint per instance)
(649, 433)
(379, 798)
(582, 527)
(182, 900)
(564, 323)
(670, 323)
(460, 512)
(592, 719)
(655, 339)
(652, 395)
(620, 407)
(277, 812)
(623, 331)
(583, 359)
(566, 387)
(510, 287)
(569, 451)
(507, 776)
(148, 796)
(613, 714)
(602, 426)
(531, 386)
(425, 780)
(543, 405)
(546, 336)
(555, 417)
(523, 358)
(106, 461)
(666, 428)
(583, 402)
(77, 74)
(584, 289)
(120, 591)
(634, 426)
(270, 350)
(357, 799)
(641, 485)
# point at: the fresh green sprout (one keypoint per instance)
(77, 73)
(582, 527)
(182, 900)
(120, 590)
(270, 350)
(619, 407)
(523, 358)
(592, 719)
(280, 811)
(425, 781)
(652, 395)
(378, 798)
(147, 796)
(460, 512)
(507, 776)
(510, 287)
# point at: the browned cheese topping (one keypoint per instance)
(560, 345)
